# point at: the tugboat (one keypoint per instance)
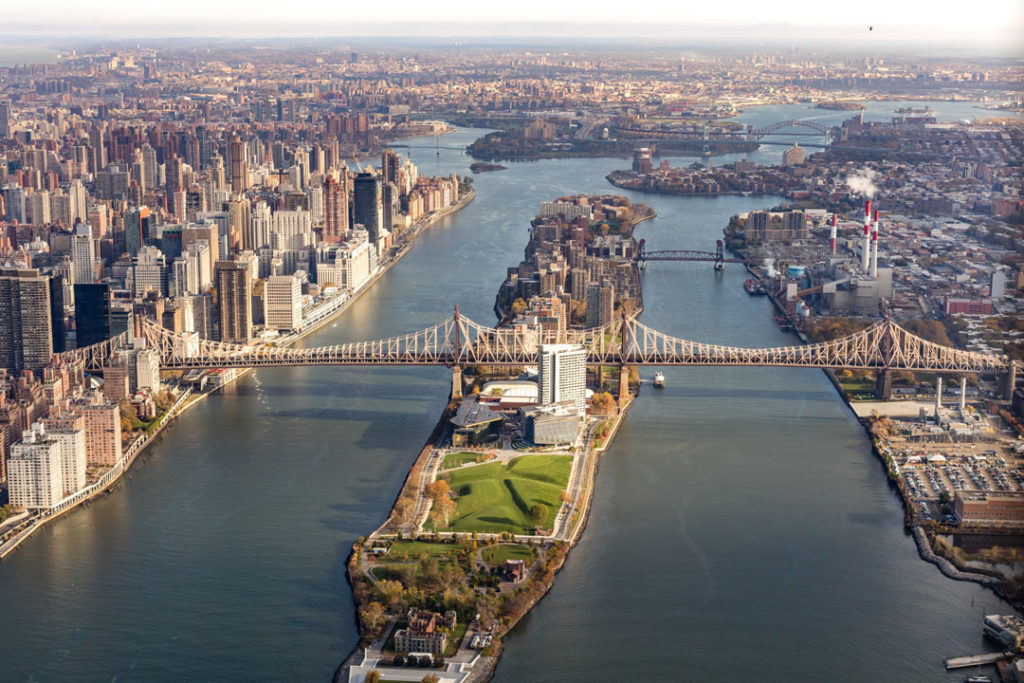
(659, 380)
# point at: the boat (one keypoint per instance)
(659, 380)
(977, 679)
(754, 287)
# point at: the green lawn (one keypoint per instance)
(453, 460)
(454, 638)
(497, 554)
(407, 550)
(495, 497)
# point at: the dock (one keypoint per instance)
(975, 660)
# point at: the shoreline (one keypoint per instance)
(106, 483)
(925, 550)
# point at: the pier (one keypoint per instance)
(976, 660)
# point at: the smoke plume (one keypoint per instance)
(863, 183)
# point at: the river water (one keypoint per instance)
(741, 528)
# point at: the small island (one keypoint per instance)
(483, 167)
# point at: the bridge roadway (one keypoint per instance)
(457, 341)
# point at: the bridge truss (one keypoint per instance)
(458, 341)
(771, 129)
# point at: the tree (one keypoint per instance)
(373, 676)
(373, 617)
(436, 490)
(518, 306)
(431, 678)
(538, 513)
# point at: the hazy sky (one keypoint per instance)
(977, 21)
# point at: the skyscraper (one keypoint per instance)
(367, 207)
(26, 328)
(335, 209)
(92, 314)
(5, 119)
(389, 164)
(174, 185)
(236, 150)
(14, 200)
(136, 229)
(83, 254)
(234, 301)
(562, 374)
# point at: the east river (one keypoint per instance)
(742, 528)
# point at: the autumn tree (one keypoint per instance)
(373, 676)
(373, 618)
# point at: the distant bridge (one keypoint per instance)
(400, 146)
(717, 257)
(817, 129)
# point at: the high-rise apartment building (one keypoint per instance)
(149, 272)
(562, 374)
(72, 457)
(600, 303)
(102, 430)
(34, 470)
(282, 302)
(26, 328)
(335, 194)
(234, 301)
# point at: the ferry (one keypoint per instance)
(659, 380)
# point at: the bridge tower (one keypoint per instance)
(1009, 382)
(623, 368)
(456, 353)
(883, 377)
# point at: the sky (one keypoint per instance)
(983, 22)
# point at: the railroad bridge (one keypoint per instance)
(458, 342)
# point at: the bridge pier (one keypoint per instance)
(456, 382)
(883, 385)
(1009, 382)
(623, 385)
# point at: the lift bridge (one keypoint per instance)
(716, 257)
(458, 342)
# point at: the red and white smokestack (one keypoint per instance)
(866, 251)
(874, 247)
(835, 221)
